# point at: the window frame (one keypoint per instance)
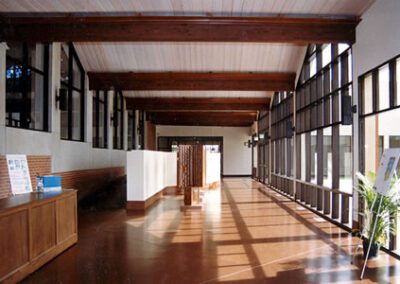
(96, 121)
(72, 55)
(118, 120)
(132, 118)
(46, 75)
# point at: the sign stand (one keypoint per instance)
(386, 171)
(18, 172)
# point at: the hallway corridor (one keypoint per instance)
(246, 233)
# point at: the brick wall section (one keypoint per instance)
(38, 165)
(85, 181)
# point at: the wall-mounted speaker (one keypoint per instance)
(289, 129)
(347, 110)
(62, 99)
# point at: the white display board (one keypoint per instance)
(18, 172)
(389, 165)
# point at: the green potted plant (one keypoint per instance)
(388, 212)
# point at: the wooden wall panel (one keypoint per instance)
(28, 231)
(66, 226)
(14, 238)
(43, 231)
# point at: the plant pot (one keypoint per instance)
(373, 253)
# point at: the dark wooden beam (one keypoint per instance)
(203, 118)
(198, 104)
(189, 81)
(111, 27)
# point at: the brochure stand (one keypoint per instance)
(388, 167)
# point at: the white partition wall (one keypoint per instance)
(213, 167)
(149, 172)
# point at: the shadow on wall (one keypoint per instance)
(111, 195)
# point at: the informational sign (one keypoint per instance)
(389, 165)
(18, 171)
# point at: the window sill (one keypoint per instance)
(30, 129)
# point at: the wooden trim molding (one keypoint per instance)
(197, 104)
(237, 176)
(192, 81)
(106, 27)
(146, 204)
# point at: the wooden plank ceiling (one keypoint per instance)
(142, 53)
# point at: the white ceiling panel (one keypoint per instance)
(191, 57)
(192, 7)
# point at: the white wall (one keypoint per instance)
(149, 172)
(213, 167)
(377, 40)
(236, 156)
(66, 155)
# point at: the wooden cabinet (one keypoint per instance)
(34, 228)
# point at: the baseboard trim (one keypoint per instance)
(146, 204)
(236, 176)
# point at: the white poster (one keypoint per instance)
(18, 171)
(389, 165)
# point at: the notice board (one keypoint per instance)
(18, 172)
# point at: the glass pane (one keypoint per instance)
(24, 97)
(130, 130)
(303, 157)
(350, 62)
(64, 63)
(77, 74)
(15, 50)
(94, 123)
(394, 141)
(101, 125)
(367, 98)
(76, 116)
(345, 159)
(380, 133)
(313, 65)
(327, 157)
(35, 103)
(384, 87)
(64, 121)
(342, 47)
(398, 82)
(314, 157)
(36, 55)
(326, 54)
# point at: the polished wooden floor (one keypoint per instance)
(243, 235)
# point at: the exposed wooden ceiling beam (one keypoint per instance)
(189, 81)
(110, 27)
(203, 118)
(198, 104)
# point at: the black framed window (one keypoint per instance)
(100, 119)
(379, 111)
(118, 121)
(321, 111)
(140, 129)
(131, 130)
(73, 84)
(27, 86)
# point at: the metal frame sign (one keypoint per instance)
(388, 167)
(18, 172)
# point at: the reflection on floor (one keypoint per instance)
(242, 235)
